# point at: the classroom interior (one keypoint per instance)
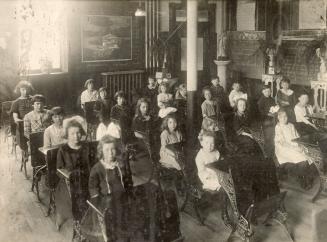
(214, 112)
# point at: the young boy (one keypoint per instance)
(236, 93)
(302, 110)
(217, 91)
(208, 154)
(38, 119)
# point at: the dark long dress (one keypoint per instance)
(21, 107)
(109, 196)
(289, 108)
(254, 176)
(77, 163)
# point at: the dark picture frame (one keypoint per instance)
(106, 38)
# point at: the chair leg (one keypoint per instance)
(197, 212)
(322, 186)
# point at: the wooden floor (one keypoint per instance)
(23, 217)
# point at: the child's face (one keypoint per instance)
(266, 92)
(38, 106)
(23, 92)
(241, 106)
(304, 100)
(282, 118)
(90, 86)
(208, 143)
(172, 124)
(207, 95)
(152, 82)
(237, 87)
(120, 101)
(163, 89)
(109, 152)
(285, 85)
(74, 135)
(144, 107)
(183, 92)
(57, 119)
(103, 94)
(215, 82)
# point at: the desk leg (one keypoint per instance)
(52, 203)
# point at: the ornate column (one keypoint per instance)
(222, 71)
(223, 61)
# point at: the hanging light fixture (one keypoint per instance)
(139, 11)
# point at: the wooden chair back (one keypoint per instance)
(51, 161)
(36, 141)
(20, 138)
(5, 113)
(90, 112)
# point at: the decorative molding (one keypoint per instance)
(247, 35)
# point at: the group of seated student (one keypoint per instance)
(159, 116)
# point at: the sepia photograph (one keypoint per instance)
(163, 120)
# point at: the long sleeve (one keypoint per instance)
(164, 138)
(279, 139)
(27, 126)
(47, 138)
(200, 165)
(94, 183)
(231, 98)
(204, 110)
(60, 159)
(300, 114)
(83, 98)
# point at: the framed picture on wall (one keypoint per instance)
(106, 38)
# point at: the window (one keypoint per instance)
(42, 36)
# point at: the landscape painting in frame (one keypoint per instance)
(106, 38)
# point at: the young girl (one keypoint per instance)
(74, 156)
(103, 106)
(142, 120)
(107, 188)
(286, 98)
(267, 108)
(22, 105)
(288, 151)
(169, 135)
(302, 110)
(19, 108)
(38, 119)
(181, 92)
(90, 94)
(211, 125)
(208, 154)
(120, 114)
(163, 97)
(236, 94)
(54, 134)
(209, 107)
(243, 138)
